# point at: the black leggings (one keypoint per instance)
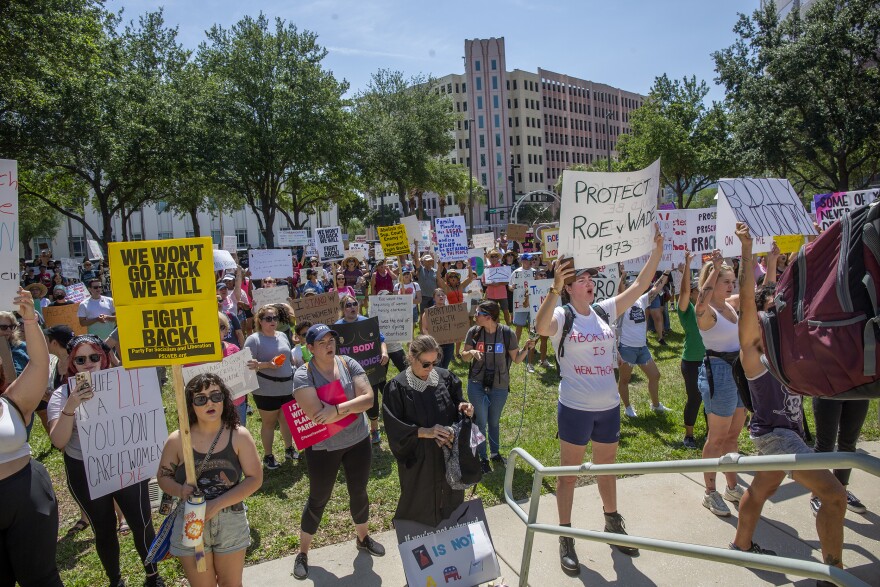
(323, 465)
(839, 422)
(28, 529)
(134, 501)
(399, 360)
(690, 371)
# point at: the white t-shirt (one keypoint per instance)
(92, 308)
(634, 327)
(587, 368)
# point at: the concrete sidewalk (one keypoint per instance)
(656, 506)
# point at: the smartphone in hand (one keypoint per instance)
(84, 379)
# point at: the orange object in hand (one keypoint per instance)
(279, 360)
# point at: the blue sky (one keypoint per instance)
(625, 43)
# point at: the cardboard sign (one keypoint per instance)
(65, 315)
(448, 323)
(358, 254)
(607, 217)
(452, 242)
(550, 245)
(499, 274)
(223, 261)
(306, 433)
(121, 429)
(320, 309)
(832, 207)
(77, 292)
(233, 370)
(394, 240)
(70, 268)
(517, 232)
(9, 236)
(270, 263)
(484, 241)
(395, 315)
(770, 207)
(230, 243)
(539, 289)
(269, 295)
(360, 340)
(520, 281)
(288, 237)
(791, 243)
(477, 260)
(95, 249)
(329, 243)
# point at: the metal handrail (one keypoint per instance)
(728, 463)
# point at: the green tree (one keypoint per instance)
(692, 140)
(403, 126)
(600, 165)
(357, 207)
(36, 219)
(804, 93)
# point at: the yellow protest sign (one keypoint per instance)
(789, 243)
(394, 240)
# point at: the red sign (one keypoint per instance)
(306, 433)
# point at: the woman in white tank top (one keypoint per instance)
(716, 317)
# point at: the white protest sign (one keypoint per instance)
(378, 253)
(358, 254)
(831, 207)
(270, 263)
(230, 243)
(269, 295)
(484, 241)
(223, 261)
(311, 249)
(635, 265)
(770, 207)
(233, 370)
(452, 242)
(121, 429)
(288, 237)
(607, 217)
(95, 249)
(520, 280)
(700, 233)
(9, 235)
(395, 314)
(610, 271)
(413, 230)
(672, 226)
(538, 291)
(76, 292)
(604, 288)
(329, 243)
(425, 228)
(461, 556)
(499, 274)
(363, 246)
(69, 267)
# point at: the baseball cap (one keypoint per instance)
(592, 271)
(222, 285)
(526, 257)
(319, 331)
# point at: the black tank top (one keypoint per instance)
(220, 474)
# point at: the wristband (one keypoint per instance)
(553, 290)
(67, 414)
(30, 320)
(337, 409)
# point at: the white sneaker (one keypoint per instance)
(630, 412)
(712, 501)
(734, 494)
(530, 368)
(660, 409)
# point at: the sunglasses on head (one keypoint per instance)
(482, 313)
(427, 364)
(351, 305)
(92, 358)
(269, 318)
(201, 400)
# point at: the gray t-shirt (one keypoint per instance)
(427, 281)
(53, 412)
(495, 348)
(357, 430)
(265, 348)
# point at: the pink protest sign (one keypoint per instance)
(306, 433)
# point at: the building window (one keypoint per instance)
(494, 65)
(241, 238)
(482, 160)
(189, 234)
(164, 235)
(464, 109)
(477, 67)
(77, 246)
(495, 101)
(497, 158)
(480, 122)
(137, 237)
(482, 141)
(497, 139)
(479, 102)
(215, 236)
(494, 82)
(463, 88)
(479, 83)
(497, 121)
(483, 179)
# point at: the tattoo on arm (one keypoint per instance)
(167, 471)
(704, 294)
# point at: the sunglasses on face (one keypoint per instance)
(351, 305)
(268, 281)
(91, 358)
(201, 400)
(481, 313)
(6, 327)
(269, 319)
(97, 287)
(428, 364)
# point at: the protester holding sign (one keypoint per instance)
(229, 475)
(88, 354)
(349, 448)
(589, 404)
(406, 286)
(29, 515)
(342, 288)
(383, 279)
(426, 274)
(693, 352)
(495, 278)
(446, 350)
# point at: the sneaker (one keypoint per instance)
(485, 467)
(370, 545)
(250, 411)
(546, 364)
(301, 566)
(499, 460)
(815, 504)
(614, 523)
(530, 368)
(689, 442)
(754, 549)
(630, 412)
(734, 494)
(154, 581)
(568, 558)
(712, 501)
(660, 409)
(270, 463)
(374, 437)
(291, 454)
(854, 505)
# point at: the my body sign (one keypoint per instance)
(607, 217)
(361, 341)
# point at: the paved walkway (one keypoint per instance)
(657, 506)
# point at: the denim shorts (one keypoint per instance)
(226, 532)
(580, 426)
(635, 355)
(520, 318)
(781, 441)
(725, 399)
(657, 302)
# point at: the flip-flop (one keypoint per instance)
(78, 527)
(123, 528)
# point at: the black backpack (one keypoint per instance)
(566, 328)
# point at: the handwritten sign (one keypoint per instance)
(448, 323)
(230, 243)
(520, 280)
(95, 249)
(329, 243)
(121, 429)
(65, 315)
(770, 207)
(538, 291)
(484, 241)
(76, 292)
(270, 263)
(700, 233)
(550, 245)
(395, 314)
(318, 309)
(269, 295)
(607, 217)
(673, 227)
(306, 433)
(832, 207)
(223, 261)
(361, 341)
(394, 240)
(499, 274)
(288, 237)
(233, 370)
(70, 268)
(378, 252)
(362, 247)
(605, 287)
(790, 243)
(452, 242)
(517, 232)
(9, 235)
(635, 265)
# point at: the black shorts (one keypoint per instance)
(270, 403)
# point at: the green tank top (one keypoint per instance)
(693, 341)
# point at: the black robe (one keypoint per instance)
(425, 496)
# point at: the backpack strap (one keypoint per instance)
(566, 328)
(601, 313)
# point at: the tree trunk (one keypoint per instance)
(26, 249)
(402, 197)
(194, 216)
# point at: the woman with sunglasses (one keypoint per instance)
(273, 363)
(232, 474)
(420, 404)
(29, 515)
(341, 286)
(89, 354)
(446, 350)
(12, 335)
(349, 448)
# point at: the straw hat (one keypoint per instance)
(38, 290)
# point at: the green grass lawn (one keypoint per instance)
(529, 421)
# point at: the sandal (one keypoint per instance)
(78, 527)
(123, 529)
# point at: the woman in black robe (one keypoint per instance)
(419, 405)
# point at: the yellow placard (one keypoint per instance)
(789, 243)
(394, 240)
(154, 335)
(162, 271)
